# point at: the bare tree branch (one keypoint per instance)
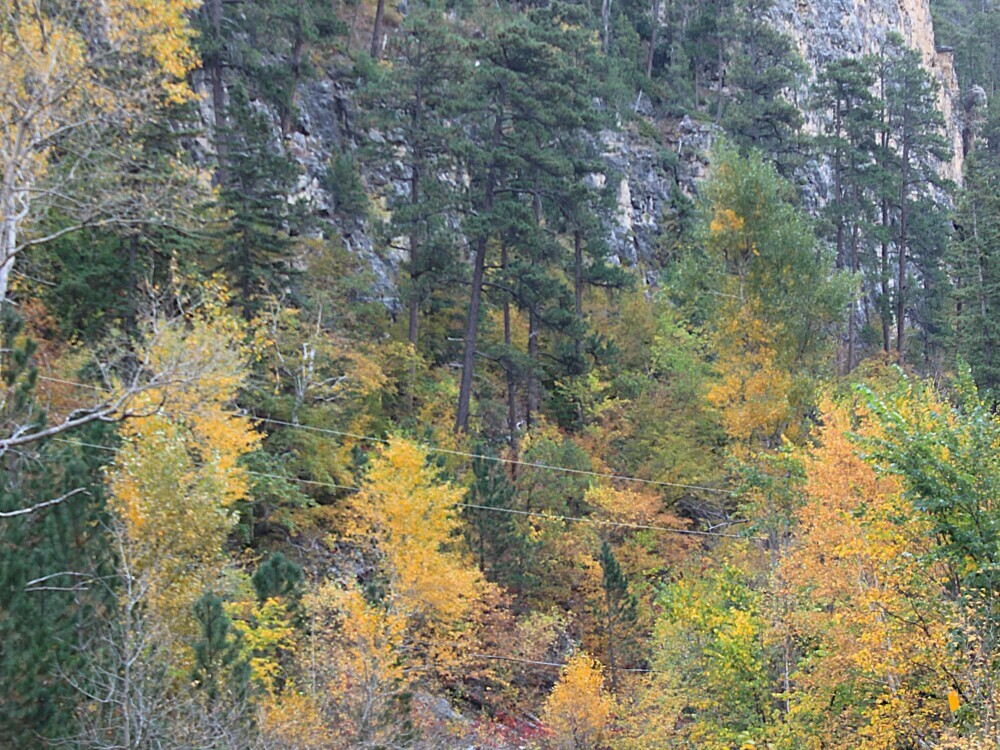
(45, 504)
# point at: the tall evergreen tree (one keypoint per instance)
(913, 126)
(505, 552)
(259, 179)
(977, 270)
(413, 100)
(843, 89)
(618, 606)
(764, 72)
(281, 36)
(534, 86)
(220, 668)
(51, 561)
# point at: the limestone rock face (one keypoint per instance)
(823, 30)
(647, 162)
(829, 29)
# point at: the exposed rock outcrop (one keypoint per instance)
(646, 164)
(825, 30)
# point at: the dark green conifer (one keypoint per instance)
(618, 606)
(259, 178)
(219, 666)
(764, 75)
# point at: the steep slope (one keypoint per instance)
(828, 29)
(648, 162)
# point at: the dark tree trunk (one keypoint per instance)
(852, 334)
(838, 188)
(376, 48)
(901, 269)
(215, 67)
(476, 295)
(981, 291)
(415, 260)
(653, 37)
(578, 280)
(885, 311)
(511, 374)
(534, 395)
(534, 398)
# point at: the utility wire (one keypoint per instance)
(462, 454)
(472, 506)
(553, 663)
(498, 459)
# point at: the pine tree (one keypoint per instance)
(259, 180)
(843, 89)
(912, 131)
(278, 55)
(534, 86)
(765, 70)
(705, 30)
(49, 602)
(618, 607)
(278, 576)
(219, 667)
(504, 552)
(51, 561)
(414, 100)
(975, 262)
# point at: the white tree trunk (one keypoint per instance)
(8, 239)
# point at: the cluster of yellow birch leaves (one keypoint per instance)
(176, 480)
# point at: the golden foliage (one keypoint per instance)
(871, 594)
(176, 476)
(292, 722)
(87, 72)
(267, 638)
(754, 389)
(410, 515)
(358, 654)
(579, 710)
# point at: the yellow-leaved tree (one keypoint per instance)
(411, 517)
(774, 300)
(357, 660)
(418, 617)
(578, 711)
(176, 476)
(753, 390)
(871, 604)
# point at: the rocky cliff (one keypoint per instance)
(828, 29)
(823, 30)
(647, 161)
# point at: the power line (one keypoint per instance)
(498, 459)
(472, 506)
(598, 522)
(69, 382)
(462, 454)
(495, 657)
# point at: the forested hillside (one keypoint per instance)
(556, 375)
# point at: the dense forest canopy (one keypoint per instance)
(570, 374)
